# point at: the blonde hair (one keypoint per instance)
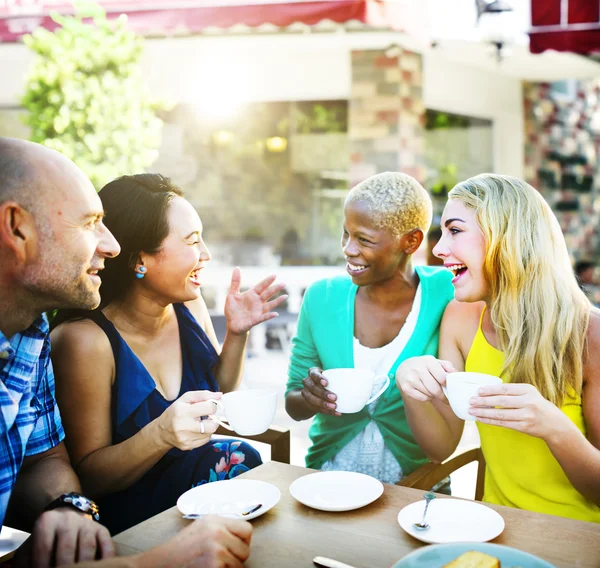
(537, 308)
(397, 202)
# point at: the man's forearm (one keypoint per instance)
(40, 482)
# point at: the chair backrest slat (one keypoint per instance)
(431, 473)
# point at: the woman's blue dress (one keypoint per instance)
(136, 402)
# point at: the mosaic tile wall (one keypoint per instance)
(562, 157)
(386, 114)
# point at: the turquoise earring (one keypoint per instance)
(141, 272)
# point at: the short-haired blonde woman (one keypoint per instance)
(519, 315)
(381, 313)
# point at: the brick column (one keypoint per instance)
(386, 114)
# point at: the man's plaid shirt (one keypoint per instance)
(29, 421)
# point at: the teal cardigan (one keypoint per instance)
(325, 339)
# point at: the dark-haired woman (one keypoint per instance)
(133, 377)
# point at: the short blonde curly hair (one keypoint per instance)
(397, 201)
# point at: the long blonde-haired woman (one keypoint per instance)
(518, 314)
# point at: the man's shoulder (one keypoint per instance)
(38, 330)
(28, 349)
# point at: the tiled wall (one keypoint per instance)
(562, 149)
(386, 114)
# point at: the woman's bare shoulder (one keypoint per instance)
(460, 322)
(591, 356)
(594, 327)
(199, 310)
(81, 338)
(593, 337)
(468, 312)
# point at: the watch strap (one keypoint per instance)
(78, 502)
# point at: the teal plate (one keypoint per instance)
(437, 555)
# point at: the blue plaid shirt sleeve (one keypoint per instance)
(48, 430)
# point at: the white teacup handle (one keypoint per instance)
(381, 390)
(219, 407)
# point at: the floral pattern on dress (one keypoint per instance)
(230, 462)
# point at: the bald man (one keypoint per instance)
(52, 248)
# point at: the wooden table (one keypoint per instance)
(291, 534)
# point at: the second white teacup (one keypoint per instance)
(353, 388)
(461, 387)
(248, 412)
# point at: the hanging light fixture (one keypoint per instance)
(497, 24)
(493, 7)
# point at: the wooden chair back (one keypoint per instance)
(276, 437)
(430, 474)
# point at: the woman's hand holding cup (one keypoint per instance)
(422, 378)
(316, 395)
(181, 425)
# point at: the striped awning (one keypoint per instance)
(565, 25)
(171, 17)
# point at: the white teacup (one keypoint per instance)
(248, 412)
(353, 388)
(461, 387)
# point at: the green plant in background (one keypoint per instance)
(330, 116)
(446, 180)
(86, 98)
(435, 119)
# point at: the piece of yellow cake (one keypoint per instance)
(474, 559)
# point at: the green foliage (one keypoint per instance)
(435, 119)
(324, 117)
(86, 97)
(446, 180)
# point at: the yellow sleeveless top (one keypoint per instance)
(521, 471)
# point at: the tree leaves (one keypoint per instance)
(86, 97)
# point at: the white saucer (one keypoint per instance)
(452, 520)
(336, 490)
(10, 540)
(229, 497)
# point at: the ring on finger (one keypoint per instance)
(202, 430)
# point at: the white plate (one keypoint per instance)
(452, 520)
(228, 497)
(10, 540)
(336, 490)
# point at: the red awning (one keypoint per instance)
(18, 17)
(565, 25)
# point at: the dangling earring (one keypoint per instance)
(141, 272)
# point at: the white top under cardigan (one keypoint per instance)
(367, 452)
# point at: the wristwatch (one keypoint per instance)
(76, 501)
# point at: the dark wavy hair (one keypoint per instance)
(136, 209)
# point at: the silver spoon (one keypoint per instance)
(423, 526)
